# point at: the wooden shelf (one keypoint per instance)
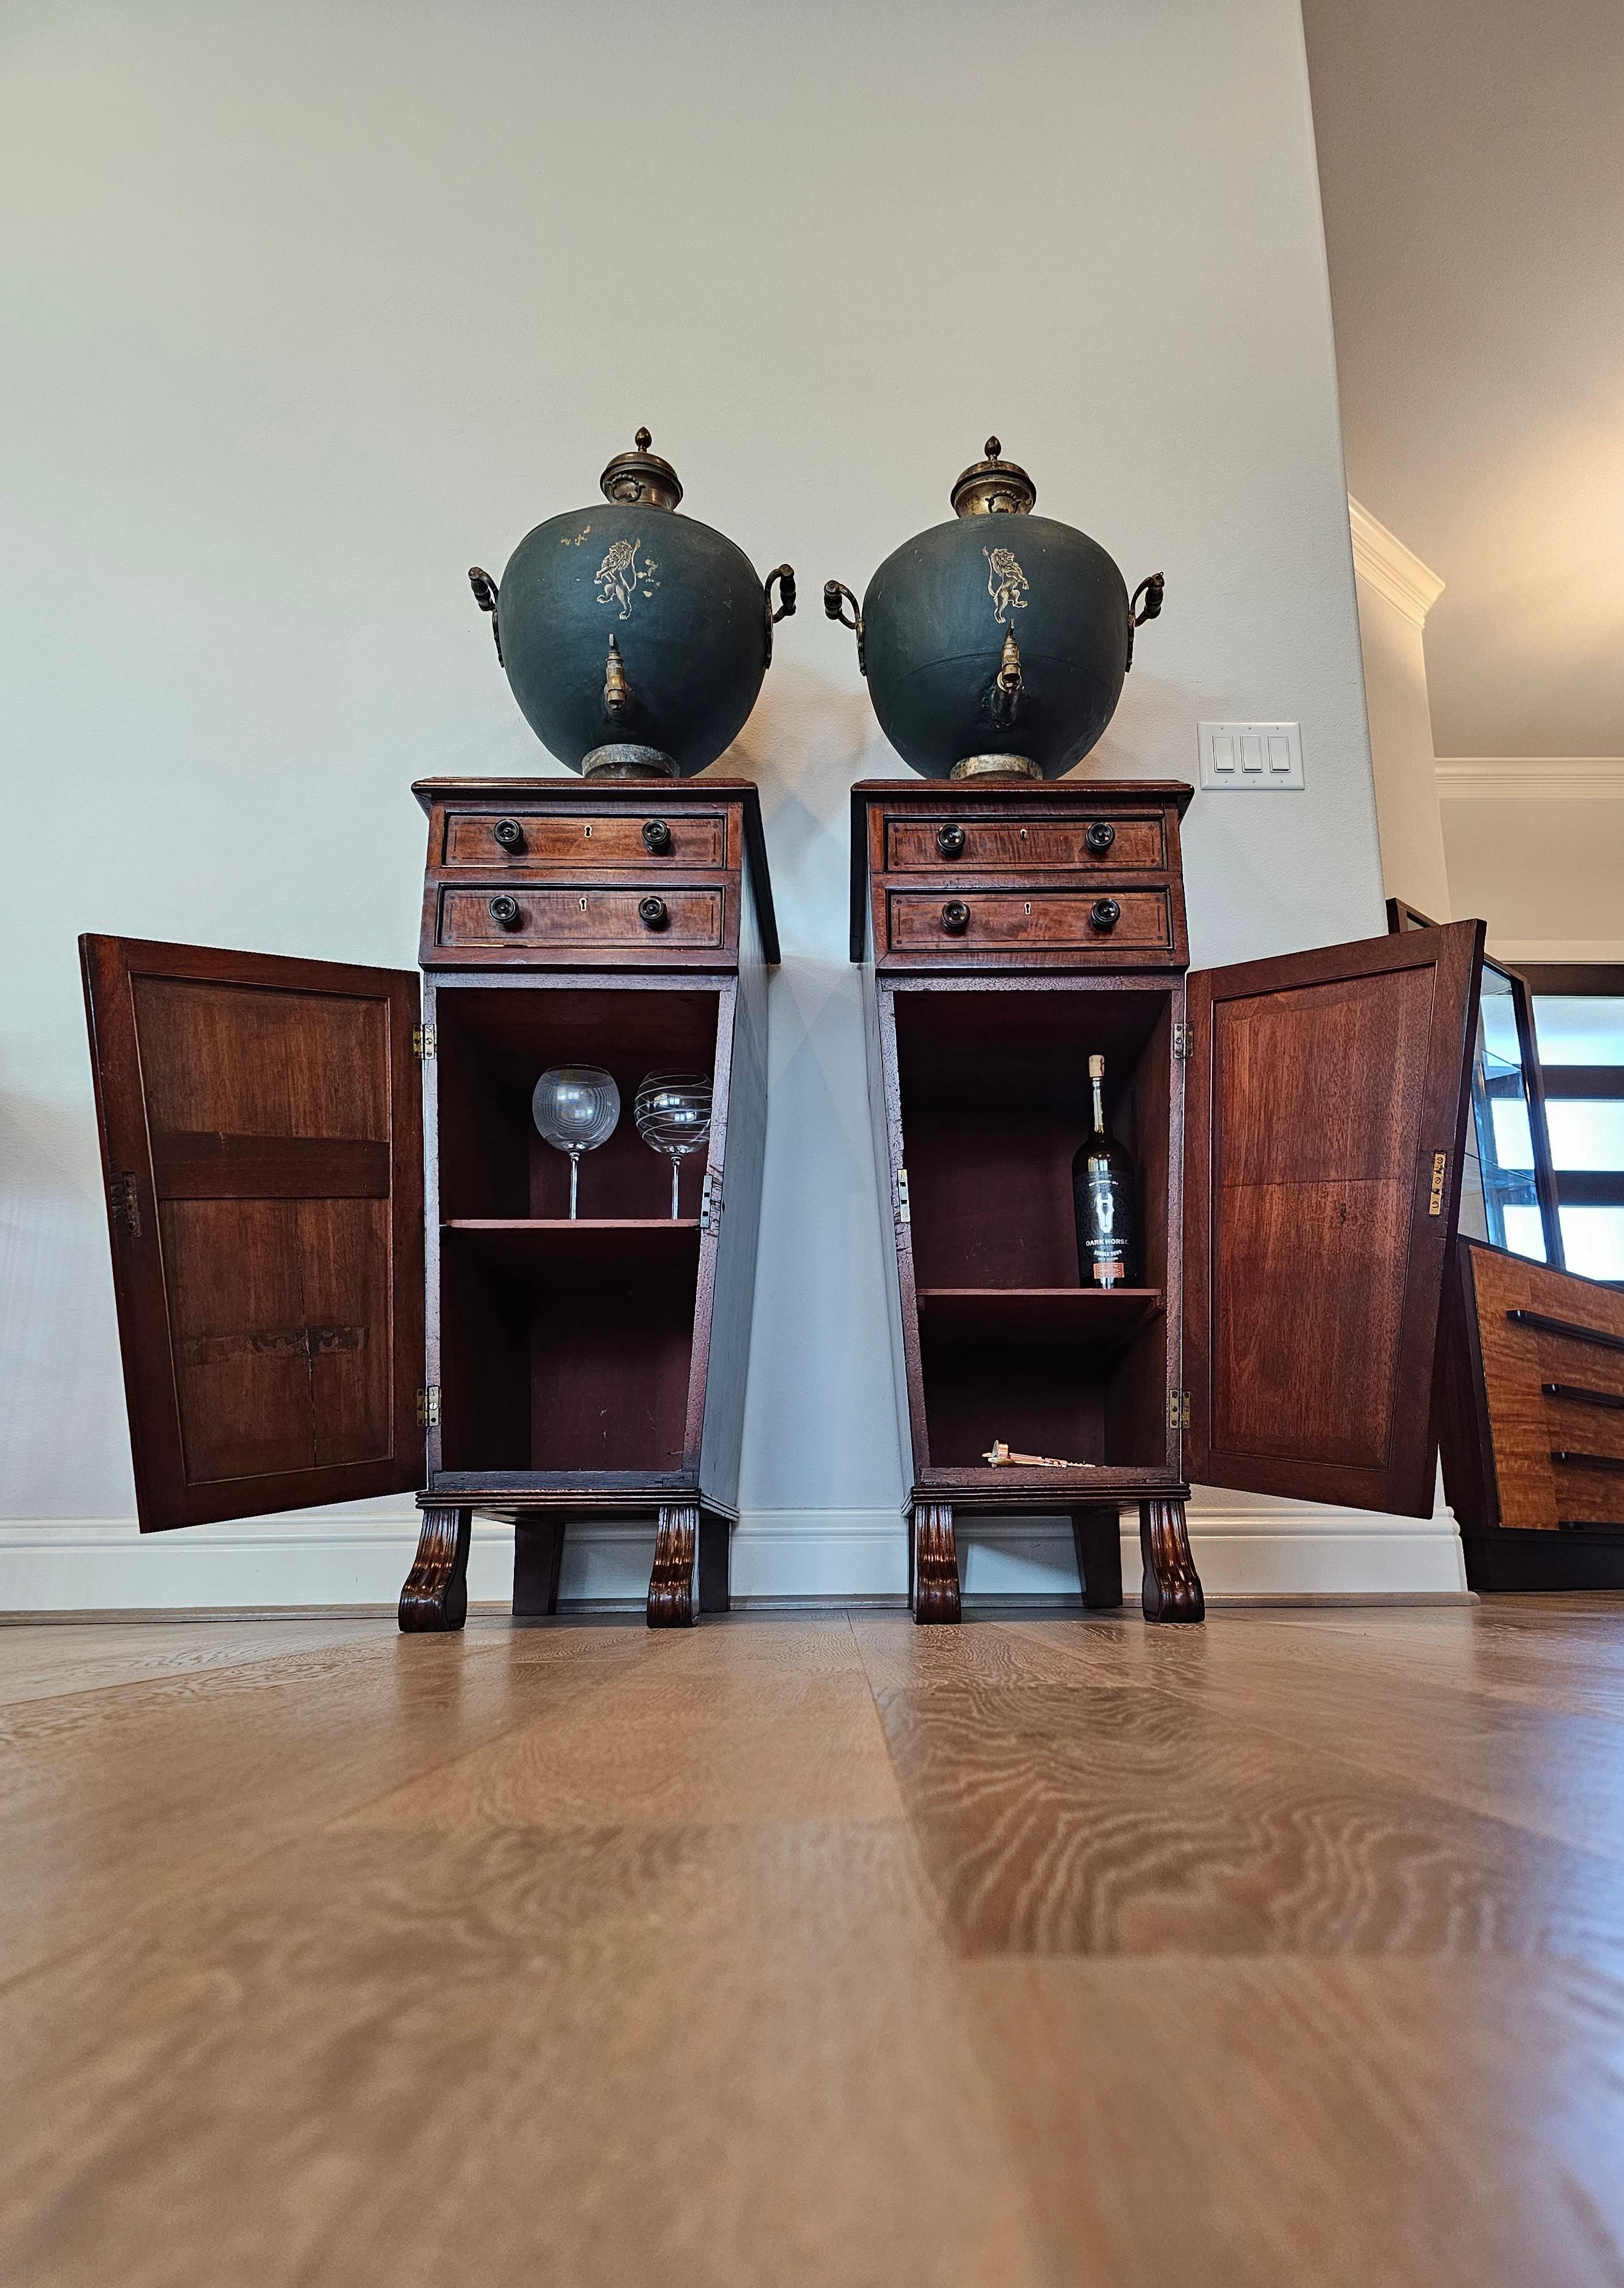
(531, 1246)
(1102, 1317)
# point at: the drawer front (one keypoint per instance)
(585, 919)
(914, 845)
(943, 920)
(624, 837)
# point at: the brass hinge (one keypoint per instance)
(899, 1193)
(711, 1200)
(428, 1407)
(1180, 1041)
(1434, 1204)
(1178, 1409)
(125, 1203)
(423, 1042)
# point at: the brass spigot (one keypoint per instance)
(617, 690)
(1007, 683)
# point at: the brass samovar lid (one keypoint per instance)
(640, 479)
(994, 487)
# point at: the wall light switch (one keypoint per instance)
(1257, 757)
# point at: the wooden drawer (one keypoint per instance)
(1056, 921)
(599, 917)
(911, 845)
(575, 835)
(1533, 1430)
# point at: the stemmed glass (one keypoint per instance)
(674, 1118)
(575, 1108)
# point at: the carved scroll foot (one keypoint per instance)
(716, 1560)
(1097, 1533)
(436, 1592)
(673, 1585)
(933, 1563)
(1172, 1586)
(538, 1557)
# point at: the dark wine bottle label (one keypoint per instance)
(1107, 1238)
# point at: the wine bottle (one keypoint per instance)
(1102, 1193)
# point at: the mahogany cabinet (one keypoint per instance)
(1297, 1126)
(342, 1255)
(1533, 1423)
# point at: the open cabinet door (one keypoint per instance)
(261, 1135)
(1324, 1121)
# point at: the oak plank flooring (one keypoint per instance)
(816, 1950)
(1271, 2123)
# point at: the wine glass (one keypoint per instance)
(673, 1118)
(575, 1108)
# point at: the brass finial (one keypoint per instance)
(993, 487)
(640, 479)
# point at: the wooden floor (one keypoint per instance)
(816, 1950)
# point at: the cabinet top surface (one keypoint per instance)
(970, 796)
(641, 794)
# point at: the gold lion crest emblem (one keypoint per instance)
(1006, 583)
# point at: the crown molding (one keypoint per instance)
(1530, 778)
(1393, 570)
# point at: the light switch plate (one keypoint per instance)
(1258, 758)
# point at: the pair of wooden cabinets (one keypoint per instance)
(344, 1265)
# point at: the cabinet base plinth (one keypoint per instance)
(538, 1557)
(933, 1563)
(435, 1597)
(673, 1585)
(1097, 1534)
(1172, 1588)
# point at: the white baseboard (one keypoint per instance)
(1245, 1547)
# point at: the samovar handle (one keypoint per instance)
(837, 595)
(1152, 590)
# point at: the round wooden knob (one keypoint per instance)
(504, 913)
(955, 917)
(1100, 837)
(509, 833)
(652, 914)
(950, 841)
(1104, 914)
(656, 835)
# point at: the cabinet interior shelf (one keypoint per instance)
(1101, 1316)
(537, 1244)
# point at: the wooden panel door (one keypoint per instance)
(1324, 1118)
(261, 1136)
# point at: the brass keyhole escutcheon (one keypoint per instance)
(1029, 905)
(583, 905)
(586, 830)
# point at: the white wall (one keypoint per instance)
(1536, 847)
(307, 309)
(1395, 592)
